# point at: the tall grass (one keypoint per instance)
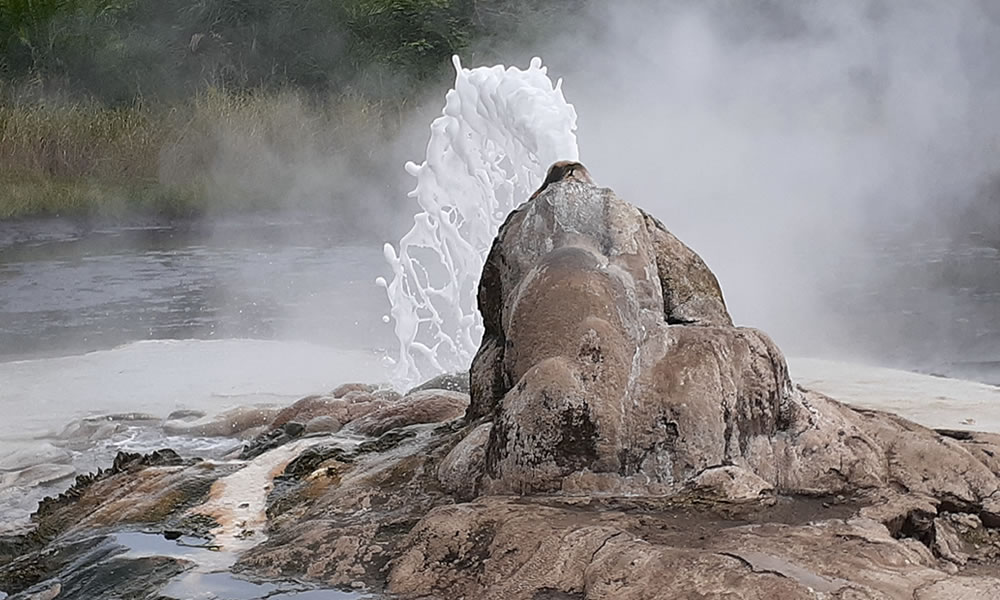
(219, 150)
(59, 141)
(182, 106)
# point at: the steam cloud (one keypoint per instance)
(814, 153)
(836, 163)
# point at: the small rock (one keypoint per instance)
(428, 406)
(461, 469)
(730, 483)
(322, 424)
(990, 515)
(386, 394)
(343, 389)
(966, 521)
(230, 423)
(453, 382)
(948, 543)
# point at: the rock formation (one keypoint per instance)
(610, 368)
(620, 439)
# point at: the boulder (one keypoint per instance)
(609, 361)
(424, 406)
(352, 405)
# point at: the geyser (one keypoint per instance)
(488, 151)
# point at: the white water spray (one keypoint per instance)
(488, 151)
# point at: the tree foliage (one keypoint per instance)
(120, 50)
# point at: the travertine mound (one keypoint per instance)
(610, 364)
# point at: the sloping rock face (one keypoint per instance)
(498, 548)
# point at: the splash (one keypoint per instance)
(499, 131)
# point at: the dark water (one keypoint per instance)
(931, 305)
(64, 290)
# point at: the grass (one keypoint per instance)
(217, 152)
(92, 198)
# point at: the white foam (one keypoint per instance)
(499, 131)
(157, 377)
(931, 401)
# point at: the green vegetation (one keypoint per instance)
(179, 107)
(215, 151)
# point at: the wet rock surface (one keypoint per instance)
(619, 439)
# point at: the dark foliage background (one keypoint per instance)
(118, 50)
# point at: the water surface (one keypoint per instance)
(73, 291)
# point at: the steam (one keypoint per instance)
(805, 149)
(822, 157)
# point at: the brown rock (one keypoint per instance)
(427, 406)
(322, 424)
(346, 388)
(948, 543)
(731, 483)
(509, 548)
(461, 469)
(352, 405)
(242, 422)
(586, 381)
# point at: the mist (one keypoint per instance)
(836, 164)
(816, 155)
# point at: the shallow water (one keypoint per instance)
(217, 585)
(931, 401)
(933, 305)
(71, 291)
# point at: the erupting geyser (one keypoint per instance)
(488, 151)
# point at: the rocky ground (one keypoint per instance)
(616, 437)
